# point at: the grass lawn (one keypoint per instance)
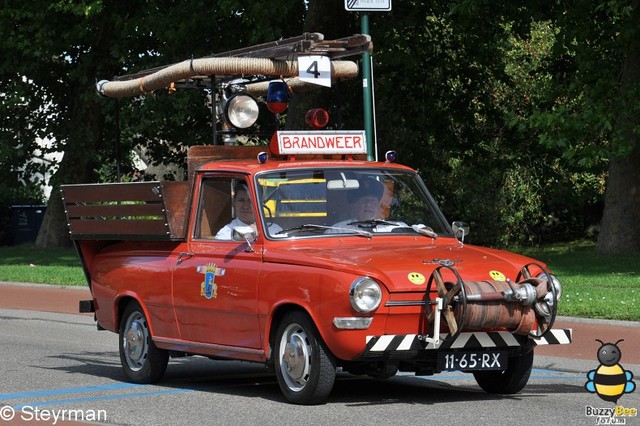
(25, 263)
(594, 285)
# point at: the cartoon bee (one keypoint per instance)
(610, 381)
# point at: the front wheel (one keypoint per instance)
(509, 381)
(141, 360)
(305, 369)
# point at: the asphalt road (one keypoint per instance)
(57, 365)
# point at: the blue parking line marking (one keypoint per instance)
(101, 398)
(536, 374)
(51, 392)
(556, 373)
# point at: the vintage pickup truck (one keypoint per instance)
(336, 263)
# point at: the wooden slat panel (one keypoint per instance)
(136, 191)
(163, 209)
(119, 210)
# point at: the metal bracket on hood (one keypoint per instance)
(444, 262)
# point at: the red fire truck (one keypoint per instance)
(305, 257)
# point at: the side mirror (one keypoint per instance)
(460, 230)
(244, 233)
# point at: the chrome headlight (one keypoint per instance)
(365, 295)
(555, 282)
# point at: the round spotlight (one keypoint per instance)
(391, 156)
(242, 111)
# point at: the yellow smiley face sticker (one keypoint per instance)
(497, 276)
(416, 278)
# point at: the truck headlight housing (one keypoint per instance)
(365, 295)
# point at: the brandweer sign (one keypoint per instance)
(321, 142)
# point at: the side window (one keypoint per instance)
(214, 208)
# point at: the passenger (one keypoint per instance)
(244, 214)
(365, 205)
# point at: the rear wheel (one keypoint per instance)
(141, 360)
(305, 369)
(509, 381)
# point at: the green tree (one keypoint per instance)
(21, 172)
(508, 110)
(511, 111)
(61, 48)
(448, 79)
(592, 114)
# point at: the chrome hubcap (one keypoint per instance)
(135, 341)
(295, 356)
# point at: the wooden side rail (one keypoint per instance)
(127, 211)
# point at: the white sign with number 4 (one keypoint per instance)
(315, 69)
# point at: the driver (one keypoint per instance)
(243, 208)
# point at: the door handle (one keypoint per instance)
(183, 255)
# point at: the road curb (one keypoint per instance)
(608, 322)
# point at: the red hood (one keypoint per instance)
(392, 260)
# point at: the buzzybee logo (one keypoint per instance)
(610, 381)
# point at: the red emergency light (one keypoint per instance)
(317, 118)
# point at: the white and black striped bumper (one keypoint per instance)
(478, 340)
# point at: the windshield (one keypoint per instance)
(329, 202)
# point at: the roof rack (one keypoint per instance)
(268, 60)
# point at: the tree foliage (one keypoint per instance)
(513, 112)
(466, 76)
(592, 109)
(499, 121)
(61, 48)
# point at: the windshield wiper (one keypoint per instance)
(375, 222)
(323, 228)
(305, 227)
(420, 229)
(425, 230)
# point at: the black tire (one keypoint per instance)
(509, 381)
(305, 369)
(141, 360)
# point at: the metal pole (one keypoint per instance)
(214, 118)
(373, 106)
(117, 147)
(366, 93)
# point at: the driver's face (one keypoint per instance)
(367, 208)
(243, 207)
